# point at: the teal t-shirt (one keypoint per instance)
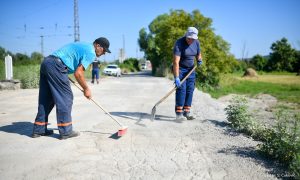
(76, 53)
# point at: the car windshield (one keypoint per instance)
(112, 67)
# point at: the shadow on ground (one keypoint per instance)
(274, 168)
(224, 125)
(22, 128)
(217, 123)
(141, 116)
(144, 73)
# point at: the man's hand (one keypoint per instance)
(87, 93)
(177, 82)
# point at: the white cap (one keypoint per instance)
(192, 33)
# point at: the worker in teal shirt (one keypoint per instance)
(55, 89)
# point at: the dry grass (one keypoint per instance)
(276, 79)
(285, 87)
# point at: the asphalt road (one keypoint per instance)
(163, 149)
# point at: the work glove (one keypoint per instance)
(199, 62)
(177, 82)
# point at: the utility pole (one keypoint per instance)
(42, 45)
(124, 47)
(76, 22)
(122, 51)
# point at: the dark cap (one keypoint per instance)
(103, 42)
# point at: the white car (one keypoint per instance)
(144, 66)
(112, 70)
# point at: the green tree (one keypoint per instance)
(36, 57)
(133, 62)
(165, 29)
(20, 59)
(2, 66)
(259, 62)
(297, 65)
(282, 57)
(2, 53)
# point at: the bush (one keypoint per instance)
(295, 165)
(238, 116)
(162, 71)
(29, 75)
(281, 142)
(2, 70)
(132, 64)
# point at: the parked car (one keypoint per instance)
(112, 70)
(144, 66)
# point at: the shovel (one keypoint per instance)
(168, 94)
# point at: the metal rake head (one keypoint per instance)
(153, 113)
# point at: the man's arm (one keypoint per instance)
(176, 60)
(79, 75)
(199, 57)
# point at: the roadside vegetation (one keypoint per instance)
(130, 65)
(285, 86)
(280, 142)
(27, 68)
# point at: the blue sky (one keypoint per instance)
(250, 26)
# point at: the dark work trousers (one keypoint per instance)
(184, 94)
(55, 90)
(95, 73)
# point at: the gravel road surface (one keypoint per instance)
(161, 149)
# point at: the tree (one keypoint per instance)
(20, 59)
(133, 62)
(165, 29)
(259, 62)
(36, 57)
(297, 64)
(2, 53)
(283, 57)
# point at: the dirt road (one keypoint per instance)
(162, 149)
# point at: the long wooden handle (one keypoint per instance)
(169, 93)
(96, 103)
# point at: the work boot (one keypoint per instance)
(180, 117)
(72, 134)
(47, 133)
(188, 116)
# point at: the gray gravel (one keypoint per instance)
(163, 149)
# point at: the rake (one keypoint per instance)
(123, 129)
(153, 112)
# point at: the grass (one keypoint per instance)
(276, 79)
(285, 87)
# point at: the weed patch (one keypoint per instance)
(280, 142)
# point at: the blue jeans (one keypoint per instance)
(184, 94)
(55, 90)
(95, 72)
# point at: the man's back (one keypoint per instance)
(76, 53)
